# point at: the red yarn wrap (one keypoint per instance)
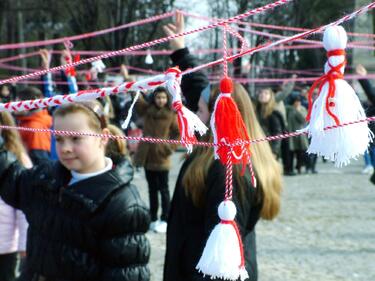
(229, 126)
(70, 71)
(330, 77)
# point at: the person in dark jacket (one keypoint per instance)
(6, 93)
(200, 187)
(370, 111)
(269, 118)
(296, 115)
(86, 219)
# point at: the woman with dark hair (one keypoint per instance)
(6, 93)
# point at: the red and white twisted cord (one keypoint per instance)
(229, 177)
(196, 143)
(149, 44)
(269, 45)
(85, 95)
(85, 35)
(268, 26)
(225, 51)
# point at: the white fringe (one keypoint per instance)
(339, 145)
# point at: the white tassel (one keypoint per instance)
(194, 124)
(98, 65)
(125, 124)
(342, 144)
(188, 122)
(223, 256)
(149, 59)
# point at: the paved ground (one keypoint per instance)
(325, 232)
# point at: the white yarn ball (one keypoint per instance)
(227, 210)
(335, 38)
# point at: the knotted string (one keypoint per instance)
(333, 74)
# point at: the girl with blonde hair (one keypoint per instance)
(201, 186)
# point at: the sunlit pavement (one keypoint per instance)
(325, 232)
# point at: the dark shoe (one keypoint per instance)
(314, 171)
(290, 174)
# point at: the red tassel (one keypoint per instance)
(228, 126)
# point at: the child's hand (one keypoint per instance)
(124, 71)
(288, 85)
(46, 58)
(361, 70)
(172, 29)
(65, 57)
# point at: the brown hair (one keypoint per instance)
(267, 109)
(115, 147)
(30, 93)
(268, 170)
(159, 90)
(12, 139)
(92, 109)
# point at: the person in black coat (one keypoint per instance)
(370, 111)
(269, 118)
(200, 187)
(86, 219)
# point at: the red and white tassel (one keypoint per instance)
(126, 123)
(337, 103)
(228, 127)
(223, 254)
(188, 122)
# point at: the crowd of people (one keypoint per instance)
(69, 210)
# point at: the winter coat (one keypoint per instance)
(38, 120)
(273, 125)
(92, 230)
(297, 121)
(13, 228)
(189, 226)
(370, 109)
(191, 84)
(158, 123)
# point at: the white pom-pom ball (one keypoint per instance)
(335, 38)
(227, 210)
